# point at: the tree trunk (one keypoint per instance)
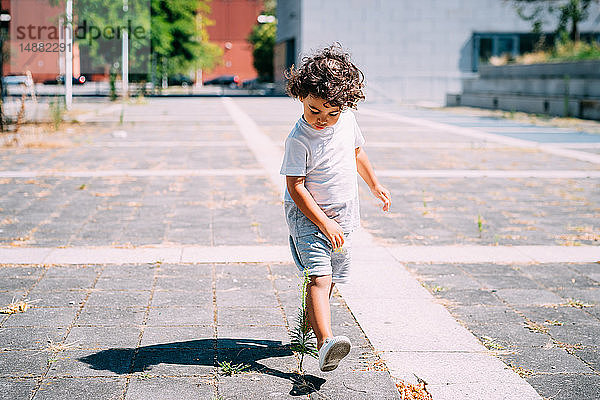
(575, 35)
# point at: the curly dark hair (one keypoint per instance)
(328, 74)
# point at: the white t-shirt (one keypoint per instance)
(327, 159)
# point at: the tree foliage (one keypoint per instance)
(568, 14)
(262, 39)
(176, 41)
(179, 35)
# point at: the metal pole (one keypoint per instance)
(125, 55)
(69, 56)
(125, 63)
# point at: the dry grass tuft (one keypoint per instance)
(409, 391)
(17, 306)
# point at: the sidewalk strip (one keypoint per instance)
(133, 172)
(379, 275)
(485, 136)
(177, 143)
(436, 145)
(265, 151)
(281, 254)
(476, 173)
(392, 173)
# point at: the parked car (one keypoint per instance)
(232, 81)
(180, 80)
(250, 83)
(60, 79)
(16, 80)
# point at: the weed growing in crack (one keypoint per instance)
(302, 337)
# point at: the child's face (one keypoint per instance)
(318, 113)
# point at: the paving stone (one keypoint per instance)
(567, 386)
(247, 299)
(96, 337)
(277, 334)
(90, 363)
(78, 388)
(30, 338)
(169, 388)
(590, 355)
(17, 388)
(124, 283)
(241, 271)
(506, 282)
(179, 362)
(129, 271)
(557, 276)
(528, 297)
(23, 363)
(12, 271)
(108, 298)
(179, 298)
(178, 337)
(179, 316)
(186, 270)
(490, 269)
(58, 298)
(189, 284)
(87, 272)
(585, 334)
(561, 315)
(65, 283)
(452, 281)
(244, 316)
(22, 283)
(587, 295)
(470, 297)
(111, 316)
(36, 316)
(546, 360)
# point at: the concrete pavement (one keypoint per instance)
(455, 270)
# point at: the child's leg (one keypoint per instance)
(308, 326)
(317, 307)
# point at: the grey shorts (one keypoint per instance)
(312, 251)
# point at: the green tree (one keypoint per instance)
(179, 36)
(568, 14)
(175, 39)
(262, 39)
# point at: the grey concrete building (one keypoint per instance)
(412, 51)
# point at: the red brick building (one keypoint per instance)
(233, 22)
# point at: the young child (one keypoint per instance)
(322, 155)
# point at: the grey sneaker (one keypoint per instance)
(332, 352)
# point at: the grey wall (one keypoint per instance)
(417, 51)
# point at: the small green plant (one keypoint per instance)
(122, 115)
(492, 343)
(522, 371)
(112, 80)
(577, 304)
(434, 288)
(535, 327)
(480, 224)
(51, 360)
(57, 111)
(230, 369)
(143, 376)
(83, 186)
(302, 337)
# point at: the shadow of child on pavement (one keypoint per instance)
(202, 352)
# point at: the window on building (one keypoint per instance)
(488, 45)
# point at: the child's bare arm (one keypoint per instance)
(309, 207)
(365, 170)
